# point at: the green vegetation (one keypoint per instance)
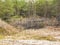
(9, 8)
(21, 8)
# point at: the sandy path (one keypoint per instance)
(28, 42)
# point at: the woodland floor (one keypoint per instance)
(44, 36)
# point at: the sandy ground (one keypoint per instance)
(28, 42)
(44, 36)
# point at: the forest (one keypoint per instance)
(11, 10)
(30, 19)
(25, 8)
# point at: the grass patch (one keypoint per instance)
(2, 36)
(3, 33)
(50, 38)
(35, 37)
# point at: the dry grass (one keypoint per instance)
(47, 33)
(38, 34)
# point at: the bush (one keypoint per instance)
(32, 23)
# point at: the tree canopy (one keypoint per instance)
(9, 8)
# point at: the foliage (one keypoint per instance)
(9, 8)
